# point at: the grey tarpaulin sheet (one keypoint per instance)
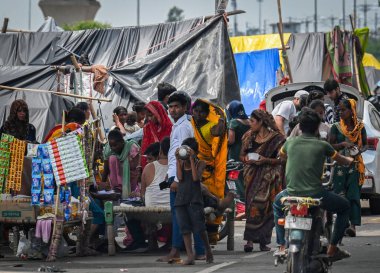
(373, 77)
(49, 26)
(104, 46)
(306, 55)
(201, 63)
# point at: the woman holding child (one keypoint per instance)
(210, 131)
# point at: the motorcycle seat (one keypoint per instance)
(311, 202)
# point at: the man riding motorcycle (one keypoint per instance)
(305, 156)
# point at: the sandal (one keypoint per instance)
(350, 232)
(265, 248)
(339, 255)
(248, 248)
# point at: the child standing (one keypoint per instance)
(189, 201)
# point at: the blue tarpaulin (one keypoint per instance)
(257, 74)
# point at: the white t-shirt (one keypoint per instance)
(287, 110)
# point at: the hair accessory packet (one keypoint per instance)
(68, 162)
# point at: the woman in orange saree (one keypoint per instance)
(210, 132)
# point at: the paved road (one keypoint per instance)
(364, 249)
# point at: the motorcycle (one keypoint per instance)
(234, 168)
(308, 230)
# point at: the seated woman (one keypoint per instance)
(154, 173)
(18, 124)
(121, 162)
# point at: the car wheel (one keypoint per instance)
(374, 204)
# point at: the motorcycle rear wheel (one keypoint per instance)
(297, 262)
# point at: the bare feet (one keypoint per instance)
(190, 260)
(200, 257)
(173, 255)
(209, 257)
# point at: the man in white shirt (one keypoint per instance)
(285, 111)
(182, 129)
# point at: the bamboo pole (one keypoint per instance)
(52, 92)
(5, 25)
(75, 63)
(280, 32)
(356, 67)
(97, 123)
(59, 186)
(230, 13)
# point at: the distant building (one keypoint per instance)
(69, 11)
(288, 27)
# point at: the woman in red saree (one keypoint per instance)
(157, 127)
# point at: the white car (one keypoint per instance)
(371, 118)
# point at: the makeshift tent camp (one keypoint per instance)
(308, 59)
(194, 55)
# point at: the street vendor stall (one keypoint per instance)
(54, 186)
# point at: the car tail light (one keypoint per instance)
(233, 175)
(299, 210)
(372, 143)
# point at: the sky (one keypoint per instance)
(123, 12)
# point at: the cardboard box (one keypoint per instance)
(17, 211)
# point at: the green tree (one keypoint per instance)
(175, 14)
(81, 25)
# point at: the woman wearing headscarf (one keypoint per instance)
(18, 124)
(157, 127)
(210, 132)
(349, 137)
(263, 177)
(238, 125)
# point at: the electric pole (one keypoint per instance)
(315, 16)
(355, 14)
(332, 18)
(260, 1)
(30, 15)
(138, 13)
(376, 24)
(344, 14)
(234, 7)
(365, 8)
(265, 27)
(307, 22)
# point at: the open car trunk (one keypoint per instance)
(286, 92)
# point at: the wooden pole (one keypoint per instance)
(5, 25)
(52, 92)
(59, 186)
(280, 32)
(356, 67)
(75, 62)
(97, 123)
(230, 13)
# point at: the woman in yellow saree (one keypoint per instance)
(210, 132)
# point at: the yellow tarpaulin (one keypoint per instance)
(257, 42)
(370, 60)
